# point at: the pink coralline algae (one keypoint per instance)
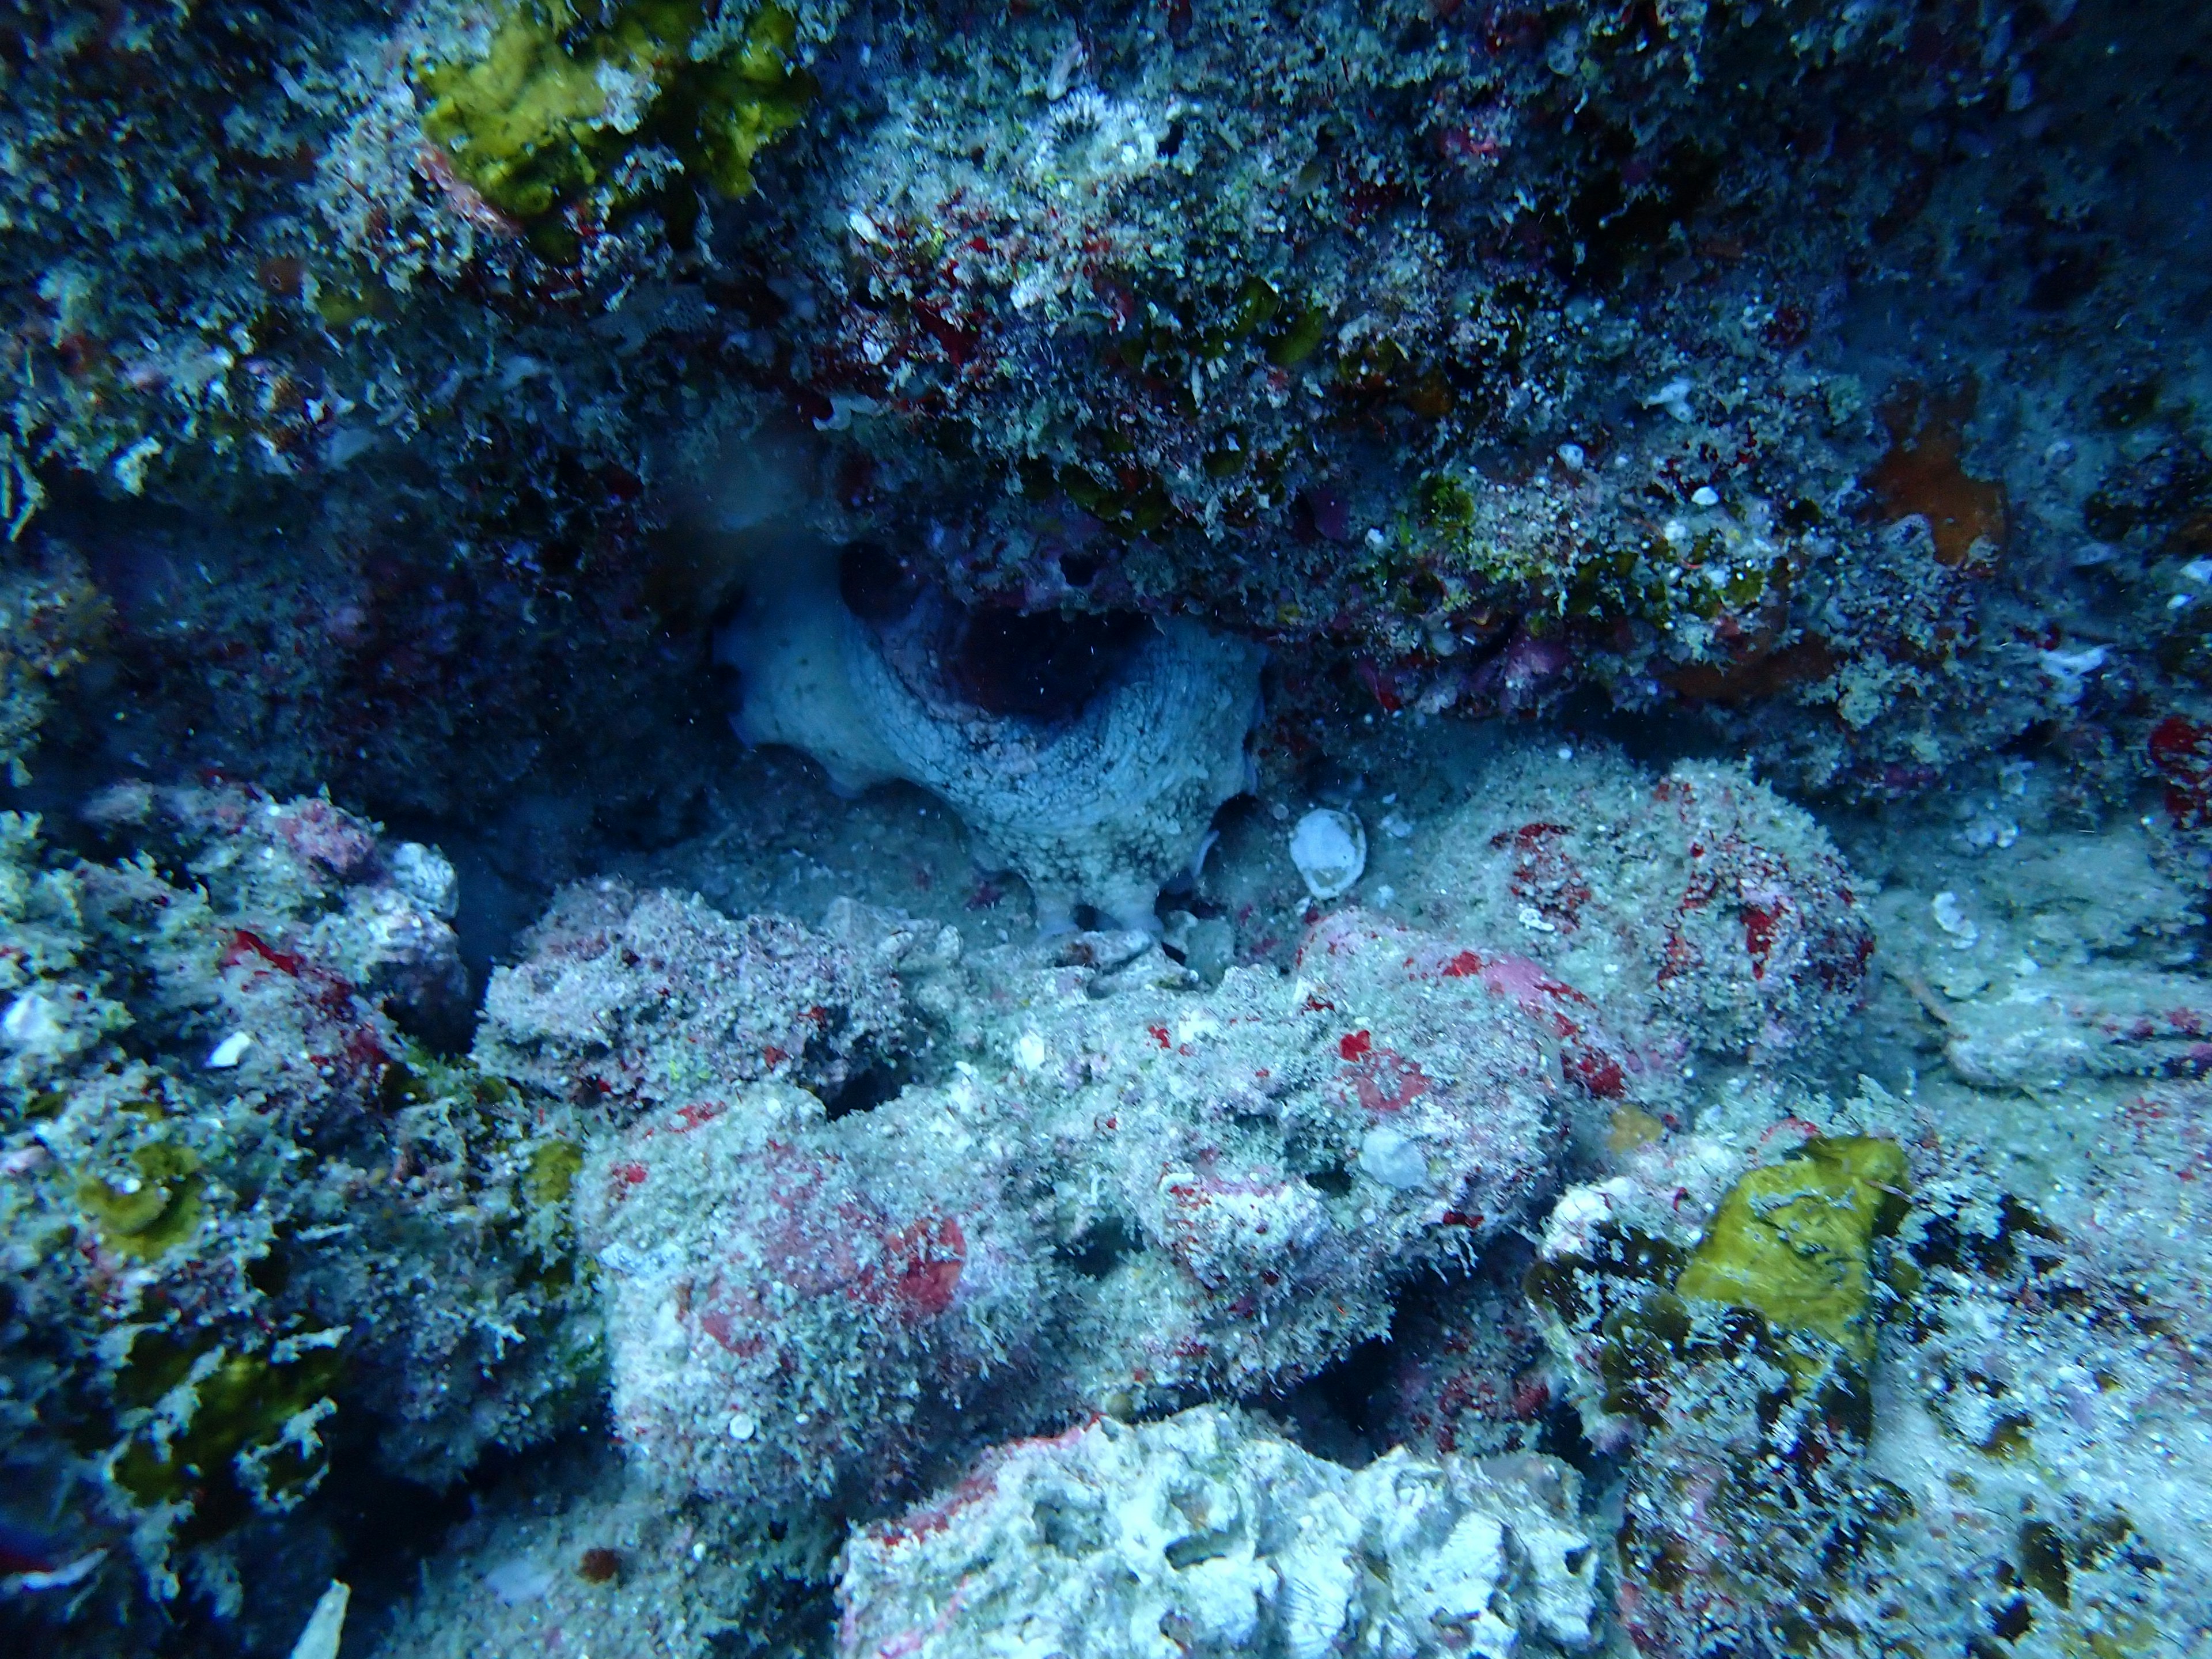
(333, 937)
(796, 1307)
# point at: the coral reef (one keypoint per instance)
(1206, 1534)
(1800, 1335)
(246, 1217)
(1145, 1193)
(559, 103)
(1143, 1190)
(575, 1553)
(795, 1306)
(1534, 690)
(1488, 355)
(48, 618)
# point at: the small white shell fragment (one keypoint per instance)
(1673, 397)
(29, 1021)
(1330, 850)
(743, 1426)
(1391, 1158)
(2069, 671)
(1952, 918)
(326, 1625)
(519, 1580)
(228, 1052)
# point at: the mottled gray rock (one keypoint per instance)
(627, 999)
(796, 1307)
(1700, 907)
(1131, 1195)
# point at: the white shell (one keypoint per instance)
(1393, 1159)
(1330, 850)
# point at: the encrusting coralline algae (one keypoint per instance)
(1307, 827)
(1131, 1193)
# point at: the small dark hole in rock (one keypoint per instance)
(1333, 1415)
(864, 1091)
(2014, 1619)
(1103, 1246)
(1562, 1434)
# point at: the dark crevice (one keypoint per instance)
(865, 1091)
(1103, 1246)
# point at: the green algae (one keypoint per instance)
(566, 92)
(1258, 304)
(1446, 502)
(1300, 338)
(2043, 1563)
(160, 1213)
(1140, 503)
(419, 1077)
(340, 306)
(1794, 1241)
(553, 1170)
(1225, 461)
(242, 1403)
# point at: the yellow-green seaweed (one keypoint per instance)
(565, 91)
(1793, 1240)
(160, 1213)
(243, 1401)
(1300, 341)
(553, 1170)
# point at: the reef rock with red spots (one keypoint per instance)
(796, 1308)
(1705, 912)
(1129, 1195)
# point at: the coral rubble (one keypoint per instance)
(242, 1202)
